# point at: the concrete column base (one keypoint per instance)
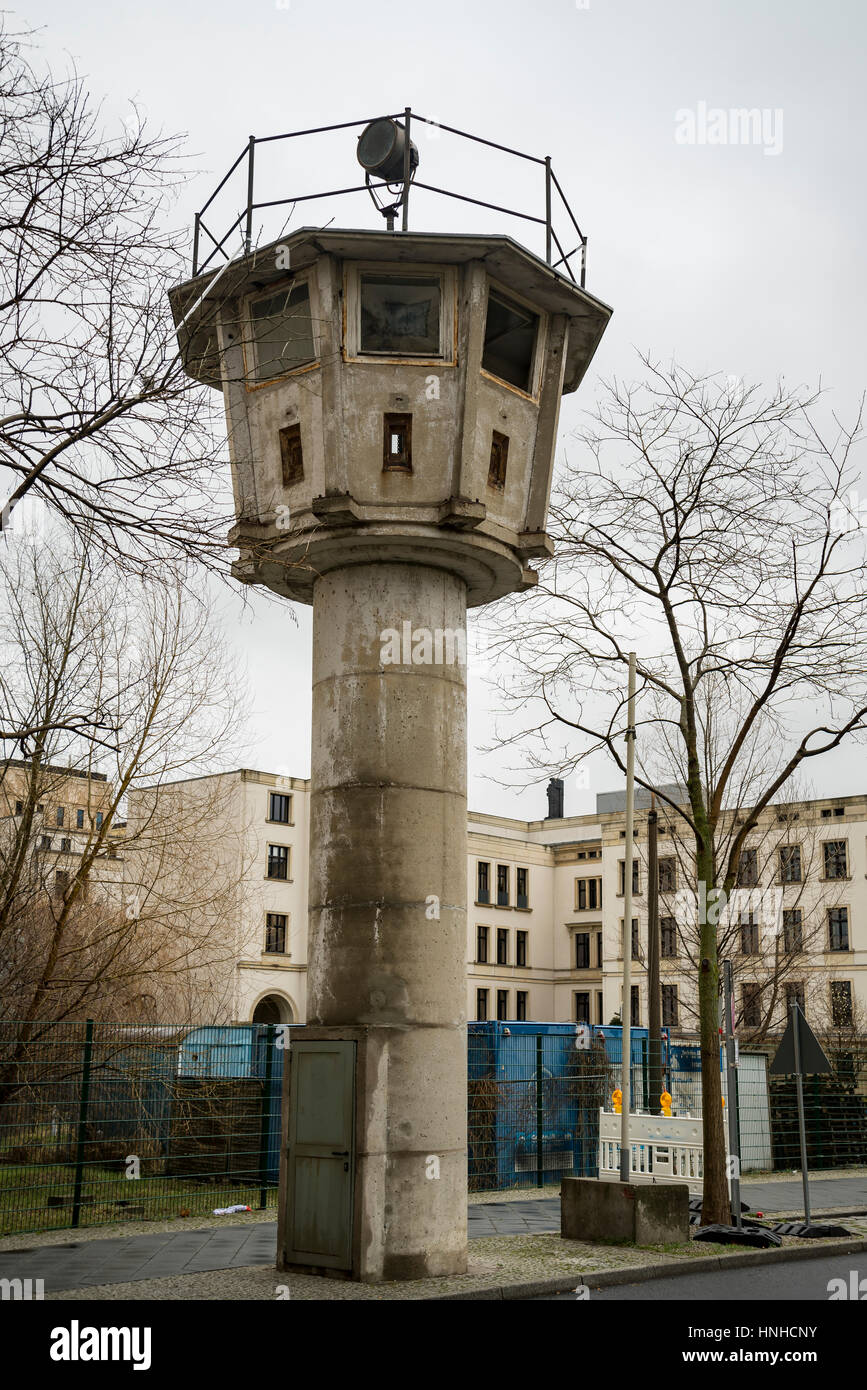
(409, 1216)
(646, 1214)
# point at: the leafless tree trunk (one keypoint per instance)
(705, 526)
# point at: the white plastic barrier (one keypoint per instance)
(662, 1149)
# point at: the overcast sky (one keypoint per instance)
(746, 259)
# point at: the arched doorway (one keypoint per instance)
(272, 1008)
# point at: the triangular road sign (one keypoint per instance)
(809, 1051)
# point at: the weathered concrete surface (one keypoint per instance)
(388, 835)
(648, 1214)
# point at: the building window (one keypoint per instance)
(795, 995)
(60, 814)
(522, 888)
(669, 1006)
(635, 1006)
(838, 929)
(65, 845)
(291, 455)
(835, 859)
(45, 842)
(502, 1004)
(61, 883)
(502, 946)
(510, 341)
(482, 945)
(400, 314)
(502, 885)
(841, 1003)
(275, 933)
(582, 950)
(481, 1005)
(79, 819)
(582, 1007)
(749, 932)
(282, 330)
(668, 875)
(499, 459)
(599, 950)
(668, 935)
(748, 868)
(521, 1006)
(483, 890)
(521, 948)
(397, 443)
(19, 808)
(635, 878)
(790, 864)
(99, 820)
(751, 1001)
(793, 930)
(279, 808)
(588, 894)
(278, 861)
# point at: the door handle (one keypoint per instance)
(339, 1153)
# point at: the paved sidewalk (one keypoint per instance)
(86, 1263)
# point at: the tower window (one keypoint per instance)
(282, 332)
(291, 456)
(397, 443)
(400, 314)
(510, 341)
(499, 458)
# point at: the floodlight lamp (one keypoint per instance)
(381, 148)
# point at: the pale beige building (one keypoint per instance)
(545, 910)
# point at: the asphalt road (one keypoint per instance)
(802, 1281)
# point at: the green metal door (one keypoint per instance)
(321, 1153)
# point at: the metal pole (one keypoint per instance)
(583, 261)
(548, 252)
(265, 1118)
(248, 234)
(407, 167)
(196, 244)
(82, 1120)
(540, 1113)
(732, 1088)
(654, 995)
(802, 1129)
(626, 1006)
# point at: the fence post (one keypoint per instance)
(82, 1120)
(540, 1112)
(265, 1123)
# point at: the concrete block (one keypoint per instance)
(646, 1214)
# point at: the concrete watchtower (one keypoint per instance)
(392, 400)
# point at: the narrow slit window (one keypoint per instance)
(499, 459)
(397, 443)
(291, 455)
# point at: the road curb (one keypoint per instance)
(642, 1274)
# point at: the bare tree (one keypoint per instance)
(99, 421)
(701, 526)
(147, 663)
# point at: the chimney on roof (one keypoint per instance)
(555, 799)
